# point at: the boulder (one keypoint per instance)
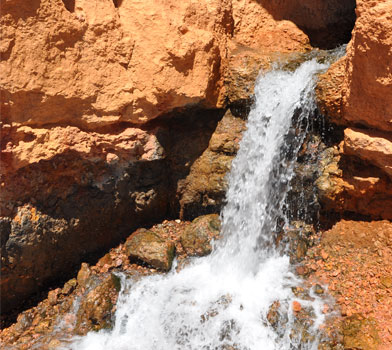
(371, 146)
(149, 248)
(196, 238)
(95, 311)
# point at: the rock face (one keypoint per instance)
(371, 146)
(348, 185)
(204, 188)
(106, 107)
(95, 63)
(351, 103)
(356, 92)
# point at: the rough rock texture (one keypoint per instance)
(348, 185)
(147, 247)
(66, 312)
(25, 145)
(204, 188)
(364, 75)
(95, 64)
(86, 303)
(354, 259)
(374, 147)
(80, 202)
(196, 238)
(357, 92)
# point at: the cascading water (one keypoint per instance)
(221, 301)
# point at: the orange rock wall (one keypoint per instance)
(356, 92)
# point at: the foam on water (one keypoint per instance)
(221, 301)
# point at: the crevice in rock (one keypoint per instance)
(117, 3)
(69, 5)
(328, 24)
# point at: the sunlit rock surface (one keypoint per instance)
(356, 92)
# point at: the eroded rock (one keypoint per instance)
(95, 311)
(204, 188)
(372, 146)
(347, 184)
(341, 90)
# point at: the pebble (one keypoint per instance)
(297, 307)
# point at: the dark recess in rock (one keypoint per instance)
(328, 24)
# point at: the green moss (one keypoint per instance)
(116, 282)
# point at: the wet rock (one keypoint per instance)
(83, 275)
(302, 270)
(273, 314)
(318, 289)
(214, 309)
(298, 236)
(148, 247)
(54, 344)
(69, 286)
(197, 236)
(203, 189)
(297, 307)
(96, 308)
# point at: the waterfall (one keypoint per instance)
(221, 301)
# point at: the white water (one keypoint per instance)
(221, 301)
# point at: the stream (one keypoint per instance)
(221, 301)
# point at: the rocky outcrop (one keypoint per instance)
(93, 63)
(356, 92)
(88, 302)
(77, 204)
(361, 77)
(349, 185)
(203, 189)
(371, 146)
